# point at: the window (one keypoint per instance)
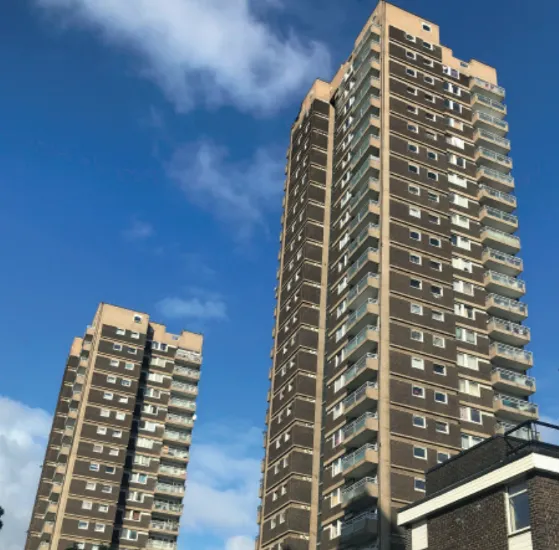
(461, 221)
(114, 451)
(90, 486)
(120, 415)
(468, 441)
(467, 361)
(98, 448)
(413, 169)
(415, 259)
(434, 197)
(132, 351)
(439, 369)
(416, 309)
(110, 469)
(463, 265)
(442, 427)
(94, 467)
(139, 478)
(440, 397)
(121, 331)
(438, 316)
(135, 335)
(414, 212)
(435, 241)
(434, 264)
(415, 283)
(107, 489)
(420, 452)
(130, 534)
(438, 341)
(101, 430)
(519, 515)
(114, 362)
(419, 485)
(415, 236)
(416, 335)
(107, 395)
(434, 219)
(410, 72)
(426, 27)
(471, 415)
(126, 383)
(129, 366)
(117, 434)
(412, 128)
(417, 363)
(410, 55)
(83, 524)
(429, 80)
(137, 319)
(418, 391)
(87, 504)
(111, 379)
(410, 38)
(428, 62)
(432, 155)
(466, 335)
(413, 148)
(418, 421)
(469, 387)
(431, 116)
(412, 109)
(465, 288)
(412, 189)
(433, 175)
(100, 527)
(442, 457)
(461, 242)
(430, 135)
(411, 90)
(430, 98)
(437, 291)
(117, 347)
(459, 200)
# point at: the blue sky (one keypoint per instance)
(142, 156)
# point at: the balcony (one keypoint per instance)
(170, 489)
(189, 356)
(487, 157)
(363, 399)
(501, 262)
(361, 371)
(363, 343)
(493, 90)
(362, 462)
(161, 544)
(509, 309)
(186, 372)
(370, 39)
(360, 529)
(166, 507)
(497, 199)
(367, 197)
(496, 283)
(510, 356)
(494, 142)
(367, 173)
(174, 453)
(512, 382)
(368, 152)
(512, 408)
(369, 255)
(361, 430)
(521, 433)
(179, 420)
(181, 387)
(178, 403)
(501, 182)
(497, 219)
(164, 526)
(368, 238)
(172, 471)
(359, 318)
(484, 121)
(172, 435)
(368, 287)
(508, 333)
(486, 104)
(368, 215)
(361, 494)
(504, 242)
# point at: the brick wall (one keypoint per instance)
(543, 500)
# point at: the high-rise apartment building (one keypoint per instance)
(398, 338)
(115, 466)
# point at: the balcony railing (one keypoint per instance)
(164, 469)
(513, 261)
(357, 156)
(508, 303)
(360, 312)
(357, 395)
(361, 337)
(517, 354)
(498, 140)
(161, 544)
(363, 284)
(501, 236)
(494, 156)
(189, 355)
(512, 328)
(360, 261)
(186, 420)
(364, 127)
(364, 213)
(361, 237)
(179, 453)
(500, 214)
(501, 279)
(186, 403)
(185, 371)
(492, 120)
(177, 436)
(357, 177)
(181, 386)
(369, 38)
(500, 195)
(515, 403)
(357, 456)
(165, 506)
(514, 377)
(358, 488)
(360, 194)
(357, 523)
(489, 102)
(164, 525)
(358, 424)
(170, 488)
(363, 55)
(358, 367)
(494, 174)
(492, 88)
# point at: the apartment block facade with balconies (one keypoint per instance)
(115, 467)
(416, 322)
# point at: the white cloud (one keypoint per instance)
(218, 51)
(138, 231)
(23, 435)
(201, 305)
(222, 488)
(238, 193)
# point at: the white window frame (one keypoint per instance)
(423, 391)
(423, 418)
(417, 363)
(424, 452)
(445, 401)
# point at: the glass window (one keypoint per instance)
(417, 363)
(416, 309)
(419, 485)
(420, 452)
(518, 508)
(419, 421)
(442, 457)
(418, 391)
(442, 427)
(439, 369)
(440, 397)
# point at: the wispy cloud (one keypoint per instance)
(138, 231)
(235, 192)
(222, 490)
(199, 305)
(23, 434)
(216, 51)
